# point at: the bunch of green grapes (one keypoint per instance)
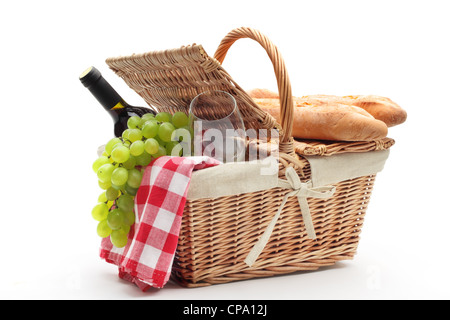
(120, 168)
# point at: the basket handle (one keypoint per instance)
(284, 84)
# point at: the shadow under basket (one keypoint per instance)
(218, 233)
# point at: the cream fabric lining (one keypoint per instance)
(233, 178)
(345, 166)
(245, 177)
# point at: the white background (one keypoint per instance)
(51, 127)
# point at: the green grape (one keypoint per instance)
(100, 211)
(117, 187)
(102, 197)
(146, 117)
(129, 218)
(163, 117)
(180, 119)
(127, 143)
(161, 152)
(119, 176)
(129, 190)
(110, 145)
(103, 230)
(133, 122)
(112, 194)
(104, 172)
(104, 185)
(115, 219)
(150, 129)
(125, 202)
(144, 159)
(134, 178)
(135, 135)
(173, 148)
(161, 143)
(125, 134)
(99, 162)
(181, 134)
(118, 144)
(120, 154)
(165, 131)
(151, 146)
(137, 148)
(125, 228)
(119, 238)
(190, 130)
(130, 163)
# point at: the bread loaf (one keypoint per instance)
(380, 108)
(322, 122)
(262, 94)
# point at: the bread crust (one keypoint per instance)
(262, 94)
(323, 122)
(381, 108)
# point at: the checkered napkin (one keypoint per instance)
(147, 258)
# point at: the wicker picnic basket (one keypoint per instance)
(218, 233)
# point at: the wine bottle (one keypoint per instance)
(117, 107)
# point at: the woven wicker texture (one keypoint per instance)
(328, 148)
(217, 234)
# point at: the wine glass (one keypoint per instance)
(217, 127)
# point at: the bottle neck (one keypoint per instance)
(107, 96)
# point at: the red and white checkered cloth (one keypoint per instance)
(159, 203)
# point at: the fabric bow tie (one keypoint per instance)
(302, 190)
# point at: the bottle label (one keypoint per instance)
(118, 106)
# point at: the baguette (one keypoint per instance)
(322, 122)
(262, 94)
(380, 108)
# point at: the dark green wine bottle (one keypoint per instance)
(117, 107)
